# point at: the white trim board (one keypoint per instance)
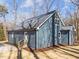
(44, 21)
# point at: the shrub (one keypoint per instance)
(2, 35)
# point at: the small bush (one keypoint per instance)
(2, 35)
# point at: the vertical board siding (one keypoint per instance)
(11, 38)
(18, 37)
(56, 37)
(14, 37)
(31, 40)
(44, 35)
(65, 37)
(56, 29)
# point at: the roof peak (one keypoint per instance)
(41, 15)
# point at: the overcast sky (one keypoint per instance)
(25, 7)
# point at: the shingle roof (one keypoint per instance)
(36, 21)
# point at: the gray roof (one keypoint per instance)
(37, 21)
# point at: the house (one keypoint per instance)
(40, 32)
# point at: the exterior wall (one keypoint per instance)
(28, 37)
(31, 39)
(56, 37)
(11, 37)
(64, 37)
(48, 33)
(44, 35)
(14, 37)
(67, 36)
(57, 31)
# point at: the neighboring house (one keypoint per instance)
(39, 32)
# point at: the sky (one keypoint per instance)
(25, 8)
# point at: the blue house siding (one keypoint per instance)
(56, 35)
(55, 29)
(65, 37)
(14, 37)
(44, 35)
(31, 39)
(11, 37)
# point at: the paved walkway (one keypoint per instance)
(60, 52)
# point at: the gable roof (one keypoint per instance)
(36, 22)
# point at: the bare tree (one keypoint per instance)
(3, 11)
(76, 3)
(34, 8)
(48, 4)
(15, 12)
